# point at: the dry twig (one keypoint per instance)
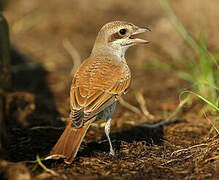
(187, 149)
(170, 118)
(140, 98)
(76, 58)
(45, 168)
(129, 106)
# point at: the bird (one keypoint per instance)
(97, 85)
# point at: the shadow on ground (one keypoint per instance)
(29, 76)
(25, 144)
(135, 133)
(30, 103)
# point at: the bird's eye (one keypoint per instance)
(122, 31)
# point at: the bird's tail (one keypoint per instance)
(70, 141)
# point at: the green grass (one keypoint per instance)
(201, 70)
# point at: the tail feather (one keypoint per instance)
(70, 141)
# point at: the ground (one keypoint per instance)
(42, 57)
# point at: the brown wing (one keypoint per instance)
(97, 84)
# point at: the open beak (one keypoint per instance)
(139, 31)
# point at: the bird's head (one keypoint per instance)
(117, 36)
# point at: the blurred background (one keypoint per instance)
(49, 37)
(39, 30)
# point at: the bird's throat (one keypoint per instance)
(119, 52)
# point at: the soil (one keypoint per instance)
(185, 148)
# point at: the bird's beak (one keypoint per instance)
(139, 31)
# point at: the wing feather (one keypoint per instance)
(81, 100)
(96, 86)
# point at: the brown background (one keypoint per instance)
(42, 66)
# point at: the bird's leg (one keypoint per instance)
(107, 131)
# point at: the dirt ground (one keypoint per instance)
(41, 31)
